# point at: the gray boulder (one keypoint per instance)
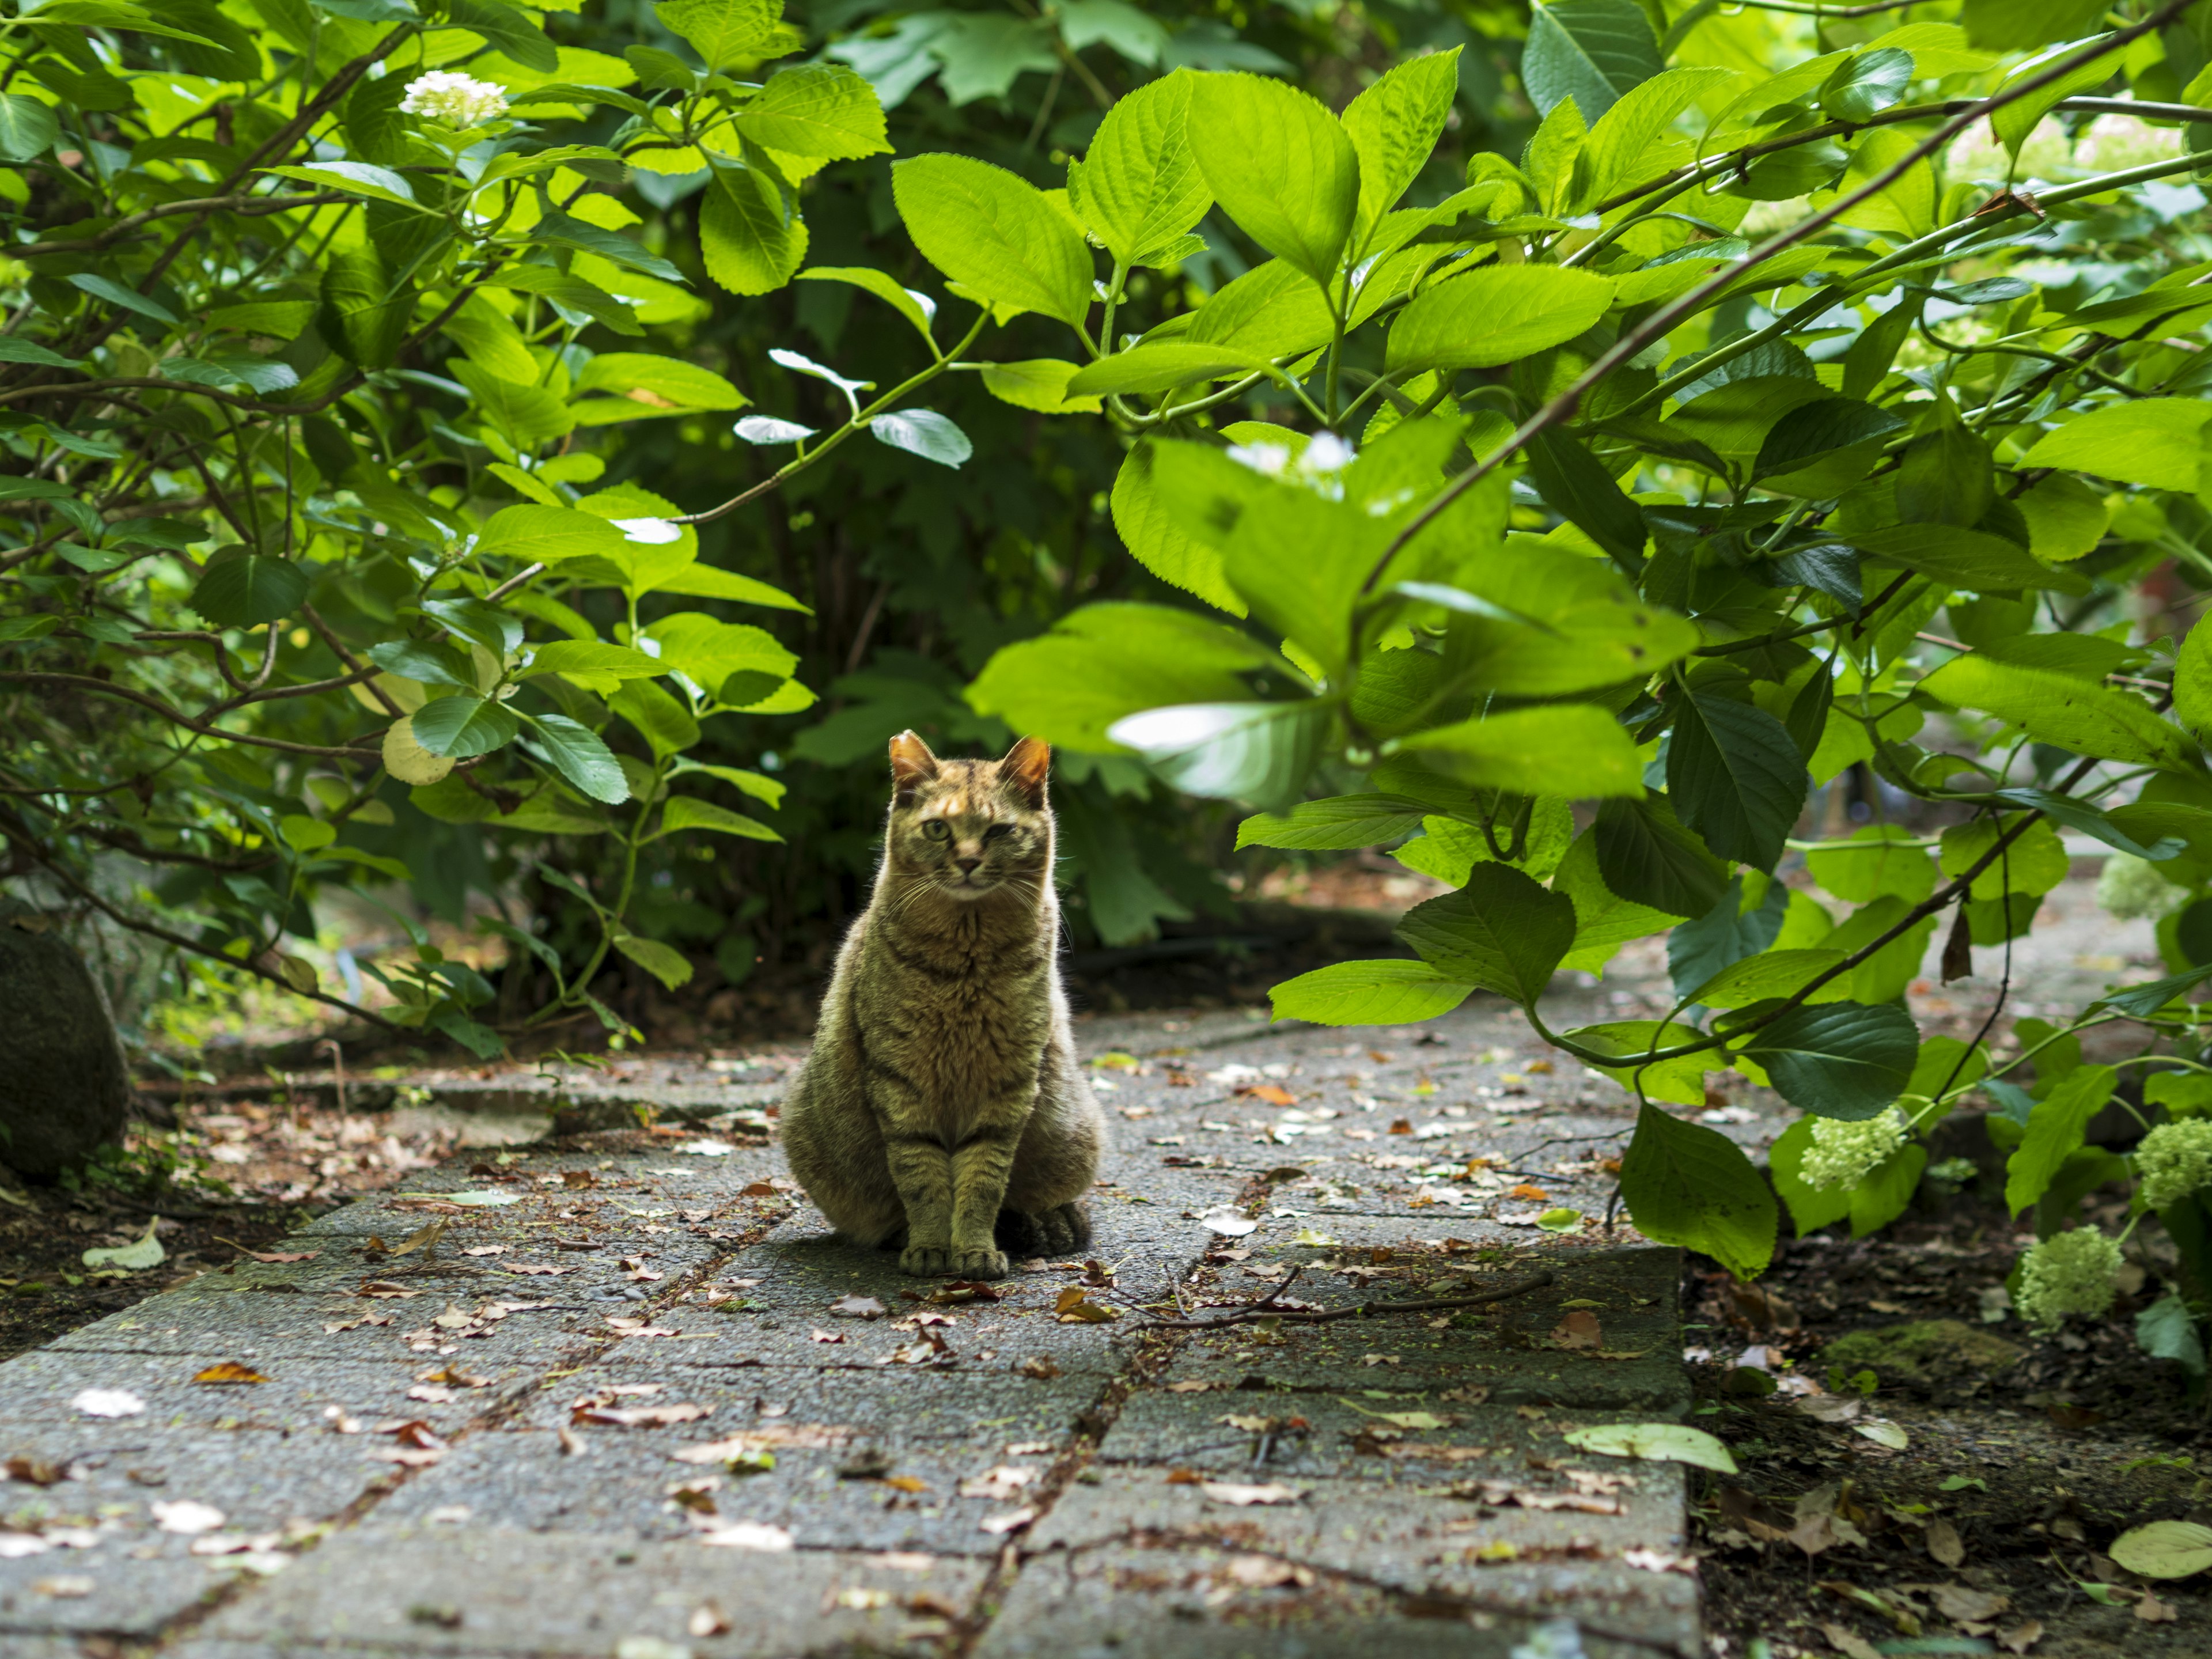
(63, 1090)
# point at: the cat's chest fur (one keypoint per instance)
(964, 1012)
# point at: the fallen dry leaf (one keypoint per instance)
(188, 1516)
(2149, 1608)
(708, 1619)
(425, 1238)
(1579, 1329)
(1851, 1645)
(230, 1370)
(2021, 1638)
(858, 1307)
(572, 1444)
(538, 1268)
(1013, 1520)
(36, 1470)
(1043, 1370)
(1944, 1544)
(749, 1535)
(380, 1290)
(1962, 1606)
(63, 1586)
(1074, 1307)
(1000, 1484)
(641, 1417)
(108, 1403)
(1183, 1387)
(1273, 1093)
(906, 1483)
(485, 1250)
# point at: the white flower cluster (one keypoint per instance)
(2070, 1273)
(2174, 1160)
(2135, 890)
(457, 100)
(1844, 1154)
(1316, 466)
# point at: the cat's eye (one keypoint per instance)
(997, 830)
(936, 828)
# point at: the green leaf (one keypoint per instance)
(2192, 682)
(105, 287)
(918, 309)
(1577, 750)
(1644, 855)
(2059, 709)
(1271, 311)
(1811, 1208)
(1733, 929)
(664, 962)
(28, 127)
(1495, 314)
(1336, 823)
(509, 30)
(1774, 974)
(640, 384)
(135, 1257)
(702, 581)
(463, 724)
(1618, 150)
(1139, 190)
(2009, 25)
(1254, 751)
(708, 650)
(752, 783)
(1500, 930)
(922, 432)
(1041, 384)
(1579, 488)
(548, 535)
(1681, 1078)
(994, 234)
(1735, 777)
(1156, 543)
(1839, 1059)
(13, 350)
(248, 590)
(2158, 441)
(687, 812)
(527, 416)
(817, 109)
(585, 660)
(1687, 1185)
(2167, 1330)
(2165, 1549)
(1591, 50)
(1876, 860)
(1814, 431)
(1383, 993)
(1163, 366)
(1105, 661)
(2055, 1128)
(750, 239)
(1957, 557)
(1669, 1443)
(434, 663)
(662, 721)
(363, 178)
(569, 292)
(2141, 1001)
(1866, 83)
(724, 31)
(1394, 124)
(2017, 119)
(2034, 861)
(1280, 164)
(581, 755)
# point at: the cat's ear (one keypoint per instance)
(912, 765)
(1026, 766)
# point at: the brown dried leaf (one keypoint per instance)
(858, 1307)
(1944, 1544)
(230, 1370)
(1579, 1329)
(1962, 1606)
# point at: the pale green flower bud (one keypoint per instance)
(2070, 1273)
(2174, 1160)
(2134, 889)
(1844, 1154)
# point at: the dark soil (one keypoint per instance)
(2032, 1468)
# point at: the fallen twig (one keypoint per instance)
(1264, 1308)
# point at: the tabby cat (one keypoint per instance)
(941, 1109)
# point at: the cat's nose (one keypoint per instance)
(969, 867)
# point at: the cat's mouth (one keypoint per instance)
(968, 884)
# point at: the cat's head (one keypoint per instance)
(971, 827)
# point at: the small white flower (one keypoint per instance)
(2135, 889)
(1327, 453)
(457, 100)
(1844, 1154)
(1267, 459)
(2174, 1160)
(2070, 1273)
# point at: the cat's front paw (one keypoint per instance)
(979, 1262)
(926, 1261)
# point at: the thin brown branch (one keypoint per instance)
(177, 716)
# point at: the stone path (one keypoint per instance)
(626, 1408)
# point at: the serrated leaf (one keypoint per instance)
(581, 755)
(688, 812)
(249, 590)
(1279, 164)
(1138, 188)
(664, 962)
(1383, 993)
(1735, 777)
(1495, 314)
(1839, 1059)
(994, 234)
(1501, 930)
(1688, 1185)
(462, 724)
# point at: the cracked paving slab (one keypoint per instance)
(947, 1475)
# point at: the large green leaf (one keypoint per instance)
(1384, 993)
(1840, 1059)
(1153, 540)
(1254, 751)
(249, 589)
(751, 243)
(1687, 1185)
(548, 535)
(1106, 661)
(1279, 164)
(688, 812)
(463, 724)
(2059, 709)
(1591, 50)
(1501, 930)
(1735, 777)
(28, 127)
(581, 755)
(1963, 558)
(1577, 750)
(1339, 823)
(1558, 624)
(724, 32)
(994, 233)
(1495, 314)
(1138, 188)
(1645, 856)
(2159, 441)
(816, 110)
(1680, 1079)
(1394, 124)
(2192, 682)
(2055, 1128)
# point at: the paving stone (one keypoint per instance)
(296, 1396)
(124, 1597)
(1185, 1600)
(467, 1590)
(940, 1432)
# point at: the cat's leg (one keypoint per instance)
(922, 1171)
(1058, 1158)
(830, 1142)
(980, 1164)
